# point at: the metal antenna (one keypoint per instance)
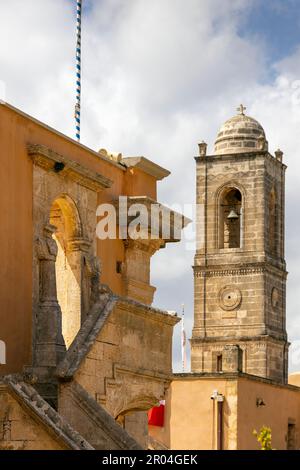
(78, 70)
(183, 341)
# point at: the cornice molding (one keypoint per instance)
(47, 159)
(255, 340)
(147, 166)
(218, 271)
(238, 157)
(228, 272)
(146, 311)
(175, 221)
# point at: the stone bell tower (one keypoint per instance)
(239, 269)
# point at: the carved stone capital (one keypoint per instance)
(146, 245)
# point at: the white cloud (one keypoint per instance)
(157, 77)
(37, 58)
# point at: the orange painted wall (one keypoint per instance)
(138, 183)
(15, 241)
(16, 132)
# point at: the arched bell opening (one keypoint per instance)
(230, 219)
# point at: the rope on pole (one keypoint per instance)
(78, 71)
(183, 341)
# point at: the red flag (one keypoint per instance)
(156, 415)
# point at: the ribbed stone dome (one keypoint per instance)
(240, 134)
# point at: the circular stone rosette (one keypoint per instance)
(230, 298)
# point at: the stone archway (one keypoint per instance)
(64, 221)
(134, 419)
(64, 216)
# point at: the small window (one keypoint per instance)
(119, 265)
(219, 363)
(291, 436)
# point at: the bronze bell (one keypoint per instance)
(233, 215)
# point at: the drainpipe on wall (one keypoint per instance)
(220, 422)
(219, 398)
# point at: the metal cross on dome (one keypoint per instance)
(241, 109)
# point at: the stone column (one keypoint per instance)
(136, 271)
(49, 346)
(75, 305)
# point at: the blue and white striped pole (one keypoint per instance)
(78, 70)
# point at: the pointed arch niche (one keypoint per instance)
(230, 218)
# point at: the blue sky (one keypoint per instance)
(158, 77)
(276, 24)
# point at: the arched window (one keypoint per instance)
(272, 222)
(230, 219)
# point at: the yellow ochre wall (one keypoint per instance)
(281, 405)
(190, 414)
(190, 418)
(16, 182)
